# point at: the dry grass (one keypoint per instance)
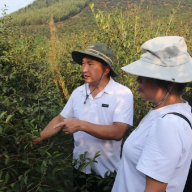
(54, 54)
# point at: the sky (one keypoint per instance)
(13, 5)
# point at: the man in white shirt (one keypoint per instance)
(97, 112)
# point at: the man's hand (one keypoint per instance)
(69, 126)
(36, 140)
(112, 132)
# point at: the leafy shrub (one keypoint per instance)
(32, 82)
(28, 101)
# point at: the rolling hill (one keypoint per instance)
(75, 16)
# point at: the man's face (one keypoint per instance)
(92, 70)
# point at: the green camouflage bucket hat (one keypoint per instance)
(97, 50)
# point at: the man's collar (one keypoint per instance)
(84, 87)
(109, 88)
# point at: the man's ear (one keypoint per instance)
(107, 70)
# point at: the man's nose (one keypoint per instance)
(84, 68)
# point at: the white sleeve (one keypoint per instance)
(124, 110)
(162, 150)
(67, 111)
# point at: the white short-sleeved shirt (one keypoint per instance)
(113, 104)
(160, 148)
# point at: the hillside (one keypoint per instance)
(39, 11)
(75, 16)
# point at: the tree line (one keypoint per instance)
(39, 11)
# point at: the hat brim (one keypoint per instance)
(78, 57)
(180, 74)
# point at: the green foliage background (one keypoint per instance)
(37, 73)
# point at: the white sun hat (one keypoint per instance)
(164, 58)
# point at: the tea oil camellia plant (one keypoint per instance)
(36, 81)
(125, 30)
(28, 101)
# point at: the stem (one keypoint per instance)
(7, 167)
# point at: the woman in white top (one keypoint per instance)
(157, 155)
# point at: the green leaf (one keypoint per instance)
(82, 176)
(14, 170)
(48, 154)
(12, 185)
(26, 172)
(36, 133)
(41, 118)
(2, 114)
(20, 177)
(21, 131)
(106, 188)
(5, 129)
(25, 179)
(42, 168)
(9, 118)
(21, 111)
(97, 154)
(39, 189)
(50, 162)
(28, 186)
(26, 122)
(58, 155)
(44, 163)
(6, 178)
(55, 170)
(5, 154)
(26, 161)
(1, 173)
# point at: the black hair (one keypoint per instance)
(165, 84)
